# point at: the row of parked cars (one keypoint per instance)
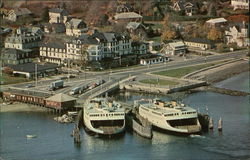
(82, 89)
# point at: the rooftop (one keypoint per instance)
(199, 40)
(61, 98)
(30, 67)
(127, 15)
(217, 20)
(22, 11)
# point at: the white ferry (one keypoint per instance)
(104, 117)
(170, 116)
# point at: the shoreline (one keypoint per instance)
(20, 107)
(212, 76)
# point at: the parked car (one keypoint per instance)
(29, 86)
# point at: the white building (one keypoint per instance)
(58, 15)
(240, 4)
(24, 38)
(53, 53)
(76, 27)
(153, 60)
(100, 45)
(216, 22)
(238, 34)
(174, 48)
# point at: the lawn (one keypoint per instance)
(7, 79)
(159, 81)
(178, 73)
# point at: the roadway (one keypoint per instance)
(115, 76)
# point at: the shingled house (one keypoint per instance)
(17, 13)
(76, 27)
(189, 8)
(14, 56)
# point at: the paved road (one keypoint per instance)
(114, 76)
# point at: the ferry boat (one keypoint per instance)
(104, 117)
(170, 116)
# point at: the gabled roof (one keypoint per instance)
(59, 10)
(134, 25)
(127, 15)
(57, 45)
(30, 67)
(217, 20)
(199, 40)
(177, 44)
(74, 22)
(61, 98)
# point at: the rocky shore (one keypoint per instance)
(223, 72)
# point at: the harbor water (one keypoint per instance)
(54, 142)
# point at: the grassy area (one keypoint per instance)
(157, 39)
(7, 79)
(160, 82)
(183, 71)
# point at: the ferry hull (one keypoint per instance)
(102, 130)
(164, 124)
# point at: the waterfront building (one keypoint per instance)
(140, 48)
(29, 70)
(60, 102)
(199, 43)
(53, 53)
(238, 34)
(174, 48)
(153, 60)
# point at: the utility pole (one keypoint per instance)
(68, 69)
(36, 73)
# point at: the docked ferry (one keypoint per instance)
(170, 116)
(104, 117)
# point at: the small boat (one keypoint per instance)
(220, 124)
(211, 123)
(31, 136)
(72, 113)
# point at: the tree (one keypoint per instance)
(8, 70)
(45, 15)
(168, 34)
(214, 34)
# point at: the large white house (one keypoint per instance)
(238, 34)
(24, 38)
(76, 27)
(100, 45)
(240, 4)
(93, 47)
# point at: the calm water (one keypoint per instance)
(54, 142)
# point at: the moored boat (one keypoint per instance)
(31, 136)
(170, 116)
(104, 117)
